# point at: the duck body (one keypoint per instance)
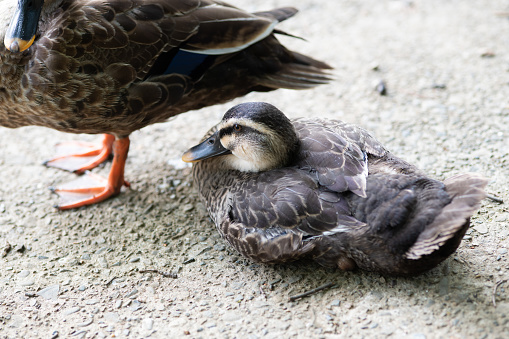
(341, 198)
(106, 66)
(113, 67)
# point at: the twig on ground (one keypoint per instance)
(494, 198)
(180, 234)
(188, 261)
(494, 296)
(164, 274)
(110, 281)
(314, 290)
(263, 293)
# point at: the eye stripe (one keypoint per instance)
(231, 130)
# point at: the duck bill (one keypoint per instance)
(21, 32)
(209, 148)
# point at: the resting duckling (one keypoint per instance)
(278, 190)
(113, 67)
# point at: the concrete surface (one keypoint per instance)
(81, 274)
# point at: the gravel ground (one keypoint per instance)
(87, 273)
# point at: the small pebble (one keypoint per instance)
(23, 273)
(20, 248)
(50, 292)
(502, 251)
(102, 262)
(132, 293)
(118, 304)
(112, 317)
(481, 228)
(82, 288)
(488, 54)
(71, 310)
(135, 259)
(85, 323)
(381, 87)
(148, 323)
(135, 305)
(100, 240)
(335, 302)
(92, 301)
(101, 250)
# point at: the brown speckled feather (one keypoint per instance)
(345, 201)
(90, 69)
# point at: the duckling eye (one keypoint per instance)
(237, 128)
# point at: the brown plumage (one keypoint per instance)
(340, 197)
(116, 66)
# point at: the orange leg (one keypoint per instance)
(92, 188)
(81, 156)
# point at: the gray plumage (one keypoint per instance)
(341, 198)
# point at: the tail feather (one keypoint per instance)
(467, 191)
(294, 81)
(303, 73)
(308, 61)
(279, 14)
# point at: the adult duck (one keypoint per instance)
(278, 190)
(113, 67)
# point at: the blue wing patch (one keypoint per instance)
(181, 62)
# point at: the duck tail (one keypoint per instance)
(466, 191)
(302, 72)
(413, 222)
(297, 71)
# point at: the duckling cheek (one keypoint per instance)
(239, 151)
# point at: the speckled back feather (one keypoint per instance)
(91, 69)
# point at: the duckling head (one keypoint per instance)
(251, 137)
